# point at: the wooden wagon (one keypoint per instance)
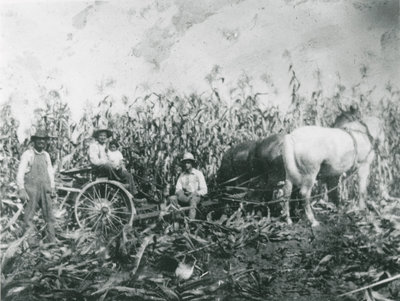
(104, 205)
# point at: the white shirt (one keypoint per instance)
(25, 166)
(97, 153)
(192, 181)
(115, 158)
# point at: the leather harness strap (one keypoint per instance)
(348, 131)
(371, 139)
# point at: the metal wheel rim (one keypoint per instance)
(103, 213)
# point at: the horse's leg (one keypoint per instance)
(363, 173)
(287, 192)
(305, 192)
(332, 183)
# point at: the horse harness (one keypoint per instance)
(370, 138)
(348, 131)
(374, 142)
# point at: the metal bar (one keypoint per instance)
(146, 215)
(157, 213)
(68, 189)
(146, 207)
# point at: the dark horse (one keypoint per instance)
(329, 152)
(234, 169)
(254, 158)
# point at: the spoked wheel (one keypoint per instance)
(104, 206)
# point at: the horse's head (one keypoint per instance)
(352, 114)
(371, 126)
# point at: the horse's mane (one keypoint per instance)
(346, 116)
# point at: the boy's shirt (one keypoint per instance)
(115, 158)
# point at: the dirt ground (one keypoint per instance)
(303, 263)
(283, 269)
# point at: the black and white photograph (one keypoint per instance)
(195, 150)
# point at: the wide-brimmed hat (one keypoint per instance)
(188, 157)
(102, 130)
(40, 133)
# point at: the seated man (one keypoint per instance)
(190, 186)
(102, 166)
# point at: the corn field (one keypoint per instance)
(153, 133)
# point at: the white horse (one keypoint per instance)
(329, 152)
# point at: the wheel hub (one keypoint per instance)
(103, 206)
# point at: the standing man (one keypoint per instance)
(35, 180)
(102, 166)
(191, 185)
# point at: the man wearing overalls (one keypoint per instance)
(35, 180)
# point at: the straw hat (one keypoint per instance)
(188, 157)
(102, 130)
(40, 133)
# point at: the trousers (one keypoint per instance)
(120, 175)
(182, 199)
(38, 188)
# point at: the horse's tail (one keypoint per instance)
(292, 171)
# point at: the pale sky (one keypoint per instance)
(87, 50)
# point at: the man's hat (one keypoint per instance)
(188, 157)
(40, 133)
(102, 130)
